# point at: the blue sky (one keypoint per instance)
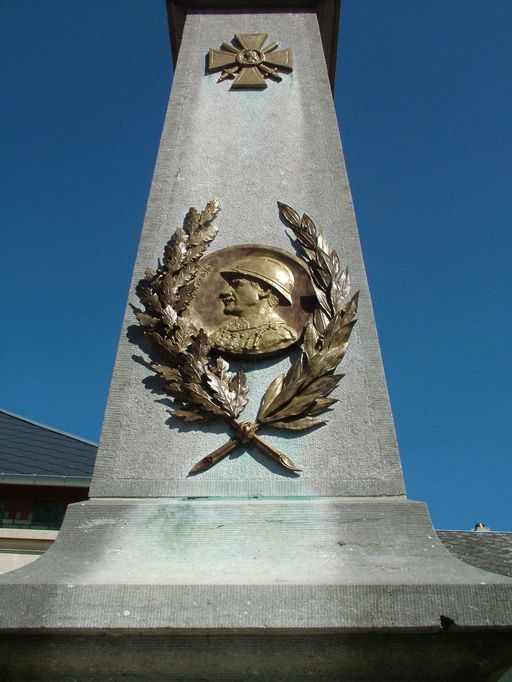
(424, 101)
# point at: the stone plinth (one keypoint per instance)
(161, 589)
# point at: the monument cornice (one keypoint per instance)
(327, 12)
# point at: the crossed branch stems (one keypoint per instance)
(245, 432)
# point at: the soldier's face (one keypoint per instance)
(240, 297)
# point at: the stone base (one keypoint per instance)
(347, 589)
(321, 657)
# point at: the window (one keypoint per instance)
(48, 514)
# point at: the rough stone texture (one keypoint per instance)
(331, 657)
(320, 588)
(251, 149)
(279, 564)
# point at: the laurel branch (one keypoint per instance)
(205, 386)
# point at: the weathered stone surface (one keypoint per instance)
(321, 588)
(271, 564)
(330, 657)
(251, 149)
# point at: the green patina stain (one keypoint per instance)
(170, 526)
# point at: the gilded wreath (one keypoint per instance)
(193, 367)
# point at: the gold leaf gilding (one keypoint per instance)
(248, 62)
(204, 384)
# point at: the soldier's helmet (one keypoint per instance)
(277, 275)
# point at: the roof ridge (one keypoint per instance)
(48, 428)
(475, 532)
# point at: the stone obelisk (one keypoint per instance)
(193, 573)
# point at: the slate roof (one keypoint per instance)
(489, 550)
(29, 448)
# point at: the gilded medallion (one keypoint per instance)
(252, 301)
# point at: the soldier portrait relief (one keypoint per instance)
(256, 287)
(253, 300)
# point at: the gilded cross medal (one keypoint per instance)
(249, 61)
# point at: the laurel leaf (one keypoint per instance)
(345, 283)
(169, 373)
(210, 211)
(176, 390)
(177, 257)
(339, 336)
(145, 320)
(323, 363)
(272, 391)
(298, 405)
(327, 265)
(237, 384)
(295, 371)
(320, 320)
(284, 396)
(337, 300)
(149, 299)
(221, 370)
(307, 242)
(298, 424)
(322, 300)
(321, 278)
(169, 317)
(308, 252)
(198, 396)
(302, 400)
(183, 332)
(321, 405)
(324, 385)
(200, 346)
(331, 328)
(322, 244)
(221, 391)
(335, 261)
(289, 214)
(164, 344)
(310, 340)
(191, 221)
(351, 309)
(308, 226)
(201, 239)
(187, 293)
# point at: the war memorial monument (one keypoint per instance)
(248, 518)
